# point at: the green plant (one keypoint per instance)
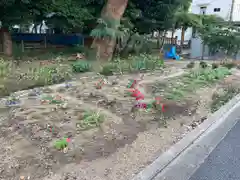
(203, 64)
(228, 65)
(108, 69)
(215, 65)
(81, 66)
(52, 74)
(219, 99)
(195, 80)
(61, 144)
(145, 62)
(191, 65)
(90, 119)
(5, 68)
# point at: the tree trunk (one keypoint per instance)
(113, 10)
(182, 38)
(172, 36)
(7, 42)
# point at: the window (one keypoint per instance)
(203, 10)
(216, 9)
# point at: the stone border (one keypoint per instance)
(164, 160)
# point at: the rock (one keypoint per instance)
(115, 82)
(47, 90)
(194, 125)
(203, 118)
(64, 106)
(32, 93)
(61, 89)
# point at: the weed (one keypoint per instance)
(215, 65)
(81, 66)
(47, 75)
(220, 99)
(108, 69)
(203, 64)
(195, 80)
(61, 144)
(5, 68)
(190, 65)
(228, 65)
(90, 119)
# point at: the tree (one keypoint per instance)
(70, 15)
(143, 17)
(107, 31)
(221, 38)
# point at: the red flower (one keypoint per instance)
(163, 108)
(144, 105)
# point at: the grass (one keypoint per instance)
(193, 81)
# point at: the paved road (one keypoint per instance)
(224, 161)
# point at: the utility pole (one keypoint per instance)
(231, 11)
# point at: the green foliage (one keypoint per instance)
(90, 119)
(195, 80)
(52, 74)
(145, 62)
(81, 66)
(220, 99)
(215, 65)
(191, 65)
(228, 65)
(5, 68)
(132, 64)
(203, 64)
(61, 144)
(108, 69)
(221, 39)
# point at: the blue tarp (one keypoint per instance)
(55, 39)
(172, 54)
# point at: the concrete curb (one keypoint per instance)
(164, 160)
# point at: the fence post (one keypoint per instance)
(22, 45)
(45, 41)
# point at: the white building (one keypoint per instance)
(223, 8)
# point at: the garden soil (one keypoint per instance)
(119, 148)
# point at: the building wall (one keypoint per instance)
(224, 5)
(236, 11)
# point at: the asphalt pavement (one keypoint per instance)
(223, 163)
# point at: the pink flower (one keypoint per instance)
(68, 139)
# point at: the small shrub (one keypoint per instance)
(61, 144)
(203, 64)
(220, 99)
(81, 66)
(5, 68)
(215, 65)
(108, 69)
(47, 75)
(190, 65)
(229, 65)
(90, 119)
